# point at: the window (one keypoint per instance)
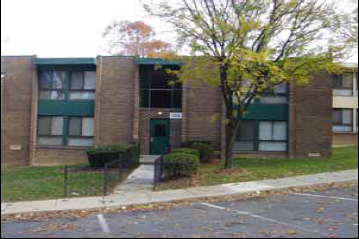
(246, 137)
(159, 89)
(52, 85)
(81, 131)
(343, 84)
(279, 95)
(343, 120)
(50, 130)
(82, 85)
(65, 131)
(272, 136)
(67, 85)
(262, 136)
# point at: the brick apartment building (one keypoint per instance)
(52, 109)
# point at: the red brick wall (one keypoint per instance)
(16, 90)
(115, 99)
(202, 103)
(310, 118)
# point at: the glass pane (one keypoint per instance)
(273, 100)
(58, 80)
(348, 80)
(246, 132)
(337, 116)
(90, 80)
(44, 126)
(160, 130)
(177, 99)
(45, 79)
(161, 99)
(265, 130)
(337, 81)
(45, 95)
(75, 126)
(281, 89)
(347, 116)
(244, 146)
(342, 92)
(57, 127)
(342, 129)
(161, 80)
(50, 141)
(77, 82)
(88, 126)
(82, 95)
(144, 100)
(280, 131)
(273, 146)
(77, 142)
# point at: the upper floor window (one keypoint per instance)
(343, 85)
(82, 85)
(279, 95)
(67, 85)
(158, 89)
(52, 85)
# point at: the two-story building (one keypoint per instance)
(53, 109)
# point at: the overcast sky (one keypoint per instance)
(66, 28)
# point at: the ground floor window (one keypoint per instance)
(65, 131)
(257, 135)
(343, 120)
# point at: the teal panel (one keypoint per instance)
(156, 61)
(267, 112)
(65, 61)
(67, 108)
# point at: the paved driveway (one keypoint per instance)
(330, 213)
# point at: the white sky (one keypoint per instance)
(66, 28)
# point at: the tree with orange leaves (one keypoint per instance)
(136, 39)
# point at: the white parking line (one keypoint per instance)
(321, 196)
(103, 224)
(264, 219)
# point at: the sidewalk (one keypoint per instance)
(127, 199)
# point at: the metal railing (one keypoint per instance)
(83, 181)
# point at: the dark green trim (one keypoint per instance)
(157, 61)
(65, 61)
(67, 108)
(267, 112)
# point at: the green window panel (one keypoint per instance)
(68, 108)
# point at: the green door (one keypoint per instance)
(160, 136)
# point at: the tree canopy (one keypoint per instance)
(247, 47)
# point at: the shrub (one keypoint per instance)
(178, 165)
(101, 155)
(194, 152)
(206, 151)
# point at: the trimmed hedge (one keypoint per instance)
(179, 165)
(129, 153)
(194, 152)
(206, 151)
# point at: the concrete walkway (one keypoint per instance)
(127, 199)
(141, 180)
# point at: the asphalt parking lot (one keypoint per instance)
(332, 213)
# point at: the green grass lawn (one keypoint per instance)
(42, 183)
(262, 169)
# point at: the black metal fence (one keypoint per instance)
(83, 181)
